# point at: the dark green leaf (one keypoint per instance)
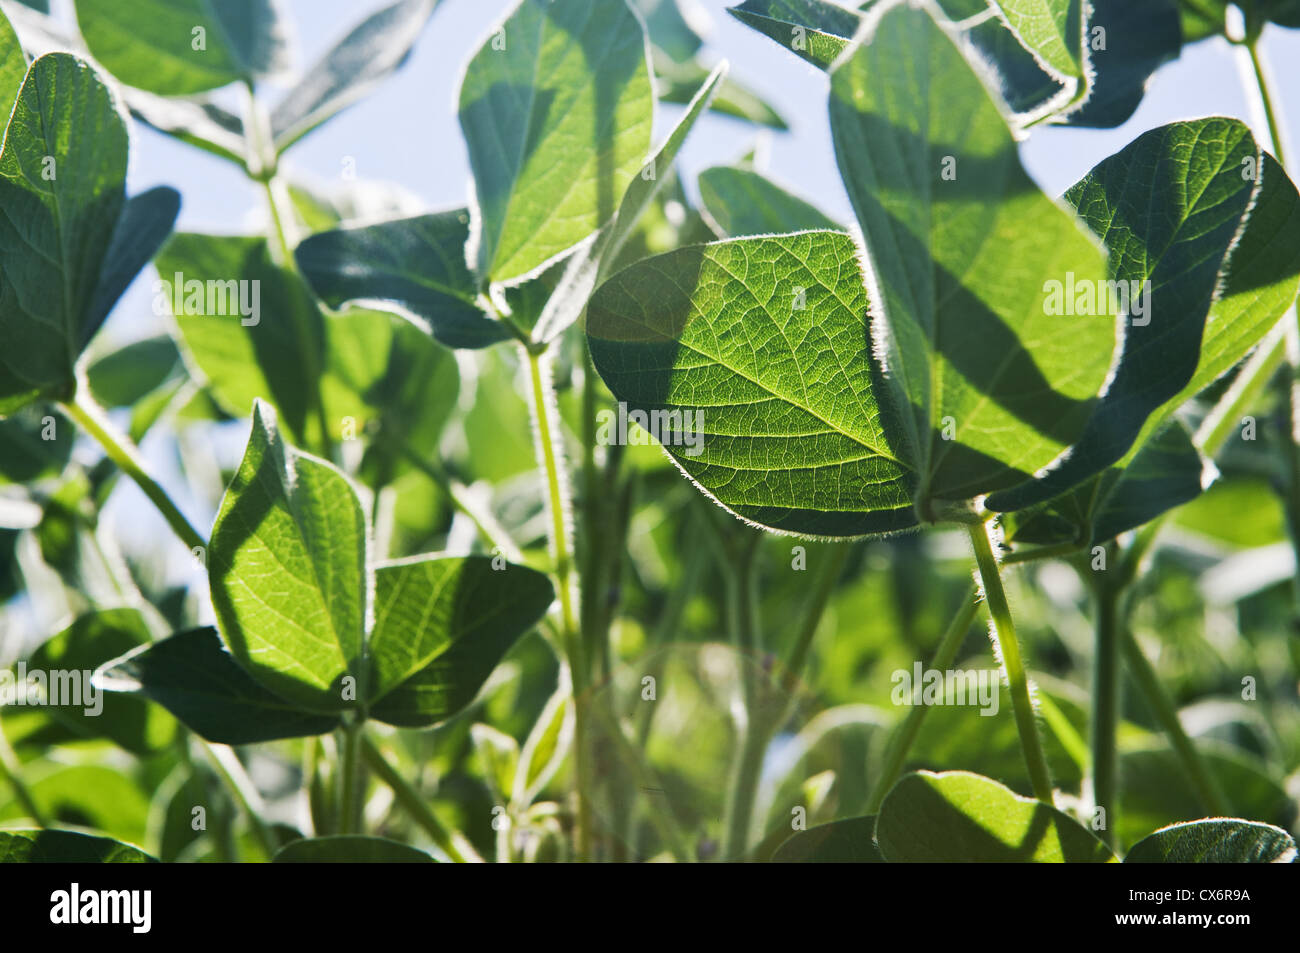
(141, 229)
(416, 263)
(35, 444)
(349, 849)
(814, 30)
(1215, 841)
(849, 841)
(66, 847)
(957, 817)
(62, 176)
(193, 676)
(124, 376)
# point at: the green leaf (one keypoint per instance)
(1202, 19)
(545, 748)
(415, 263)
(13, 67)
(92, 640)
(193, 676)
(1241, 512)
(141, 229)
(181, 47)
(35, 444)
(390, 383)
(1165, 472)
(669, 29)
(62, 176)
(441, 627)
(126, 375)
(498, 756)
(1051, 30)
(251, 327)
(87, 795)
(814, 30)
(764, 342)
(557, 123)
(677, 83)
(850, 841)
(742, 202)
(287, 567)
(1215, 841)
(959, 817)
(66, 847)
(349, 849)
(1125, 43)
(197, 122)
(353, 67)
(945, 206)
(1168, 208)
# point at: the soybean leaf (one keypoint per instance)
(669, 29)
(93, 795)
(66, 847)
(677, 83)
(557, 123)
(1215, 841)
(199, 123)
(1052, 30)
(126, 375)
(373, 50)
(764, 343)
(181, 47)
(1169, 207)
(62, 175)
(349, 849)
(415, 263)
(546, 747)
(287, 567)
(35, 444)
(386, 380)
(193, 676)
(1165, 472)
(850, 841)
(1125, 43)
(141, 229)
(13, 66)
(441, 627)
(815, 30)
(955, 816)
(742, 202)
(251, 327)
(960, 242)
(498, 756)
(86, 644)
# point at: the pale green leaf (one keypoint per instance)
(742, 202)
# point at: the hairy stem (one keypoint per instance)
(1162, 708)
(1105, 705)
(551, 459)
(452, 843)
(1039, 776)
(902, 737)
(92, 419)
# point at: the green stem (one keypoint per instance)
(742, 790)
(902, 737)
(1267, 99)
(351, 793)
(1106, 706)
(237, 781)
(836, 555)
(450, 842)
(1162, 708)
(1039, 776)
(122, 452)
(549, 452)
